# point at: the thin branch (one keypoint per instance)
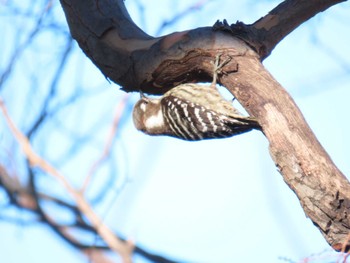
(15, 192)
(109, 142)
(95, 255)
(124, 249)
(53, 88)
(188, 11)
(19, 50)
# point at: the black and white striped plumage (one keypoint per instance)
(191, 112)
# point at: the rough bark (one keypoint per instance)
(322, 189)
(136, 61)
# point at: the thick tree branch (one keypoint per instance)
(133, 59)
(286, 17)
(268, 31)
(137, 61)
(322, 189)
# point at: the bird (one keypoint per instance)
(192, 112)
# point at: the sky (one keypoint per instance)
(211, 201)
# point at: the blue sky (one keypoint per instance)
(211, 201)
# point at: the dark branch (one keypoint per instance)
(286, 17)
(264, 35)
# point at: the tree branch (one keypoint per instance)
(284, 18)
(268, 31)
(137, 61)
(133, 59)
(29, 199)
(109, 142)
(323, 191)
(124, 249)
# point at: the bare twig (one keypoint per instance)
(24, 198)
(96, 256)
(177, 17)
(19, 50)
(44, 113)
(109, 142)
(124, 249)
(346, 257)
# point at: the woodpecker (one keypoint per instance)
(191, 112)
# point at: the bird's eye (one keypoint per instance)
(143, 105)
